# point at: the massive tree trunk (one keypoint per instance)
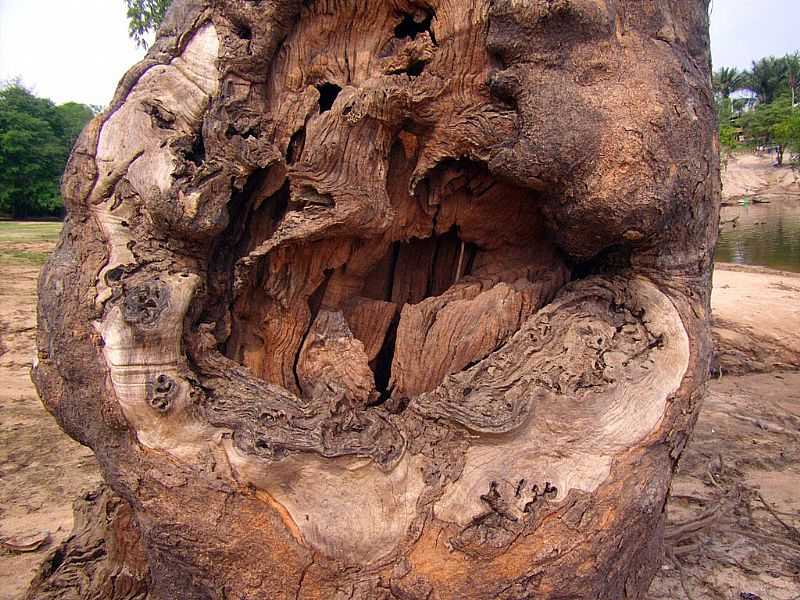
(389, 298)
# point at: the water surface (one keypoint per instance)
(766, 235)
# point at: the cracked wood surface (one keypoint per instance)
(364, 299)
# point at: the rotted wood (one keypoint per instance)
(367, 299)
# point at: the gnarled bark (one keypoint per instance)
(103, 558)
(368, 299)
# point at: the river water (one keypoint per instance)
(766, 235)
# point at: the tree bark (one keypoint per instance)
(388, 299)
(103, 558)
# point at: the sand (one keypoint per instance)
(756, 316)
(754, 175)
(41, 470)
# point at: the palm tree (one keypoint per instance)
(793, 74)
(728, 80)
(767, 77)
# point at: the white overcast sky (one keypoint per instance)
(78, 49)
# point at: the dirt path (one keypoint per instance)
(745, 448)
(41, 470)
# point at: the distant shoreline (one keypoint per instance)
(726, 266)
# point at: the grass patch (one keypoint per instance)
(27, 243)
(29, 231)
(22, 257)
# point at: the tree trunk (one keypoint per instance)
(389, 299)
(103, 558)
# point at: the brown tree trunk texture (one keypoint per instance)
(389, 299)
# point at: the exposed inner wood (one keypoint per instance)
(411, 295)
(428, 306)
(364, 301)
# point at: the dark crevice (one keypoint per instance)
(328, 93)
(244, 32)
(613, 259)
(470, 252)
(197, 154)
(252, 132)
(296, 146)
(440, 256)
(279, 204)
(261, 223)
(416, 68)
(395, 251)
(382, 364)
(430, 287)
(412, 25)
(315, 299)
(227, 248)
(160, 116)
(56, 560)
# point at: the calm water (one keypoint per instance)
(767, 235)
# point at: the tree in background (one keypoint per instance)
(787, 132)
(144, 16)
(728, 80)
(74, 117)
(767, 78)
(793, 75)
(770, 117)
(36, 137)
(775, 124)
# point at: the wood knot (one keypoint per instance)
(144, 303)
(161, 391)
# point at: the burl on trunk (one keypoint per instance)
(379, 299)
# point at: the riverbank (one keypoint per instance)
(761, 213)
(745, 174)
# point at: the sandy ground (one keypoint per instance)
(41, 470)
(734, 512)
(734, 509)
(753, 175)
(756, 319)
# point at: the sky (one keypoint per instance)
(66, 50)
(77, 50)
(745, 30)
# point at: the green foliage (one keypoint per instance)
(727, 80)
(787, 131)
(767, 77)
(728, 137)
(74, 117)
(770, 77)
(144, 16)
(35, 140)
(769, 118)
(776, 123)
